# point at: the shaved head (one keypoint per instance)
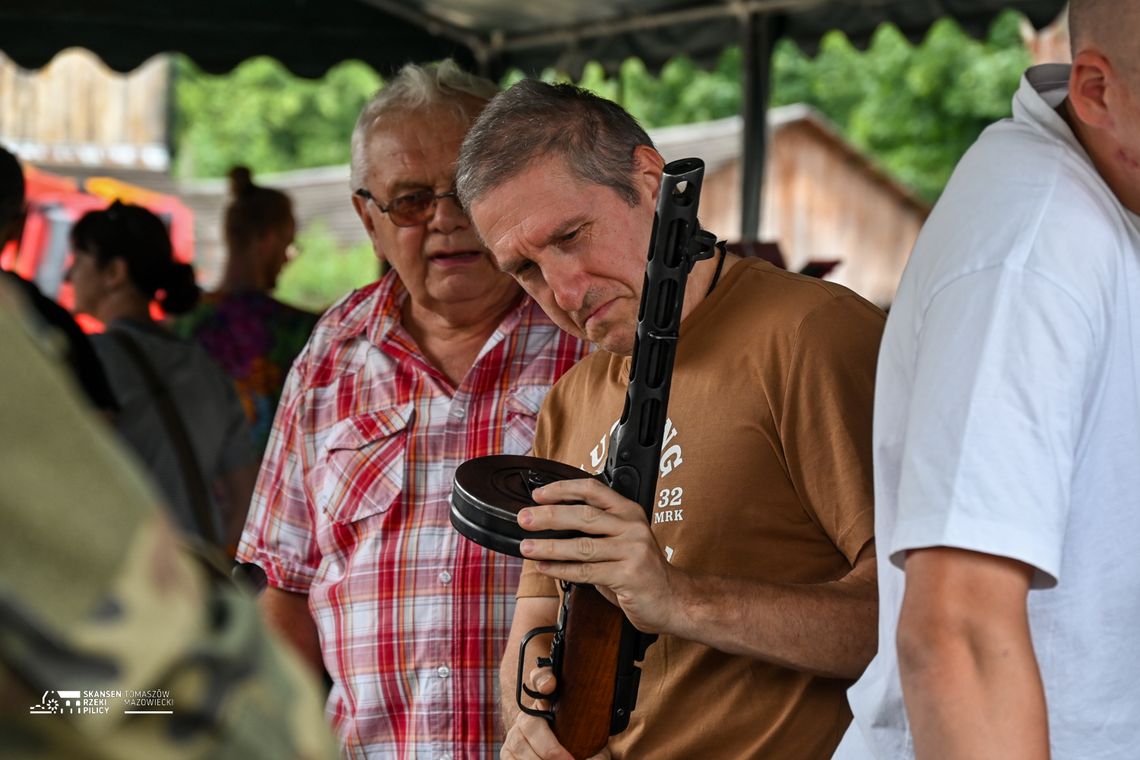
(1108, 26)
(1103, 104)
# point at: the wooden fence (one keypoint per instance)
(76, 111)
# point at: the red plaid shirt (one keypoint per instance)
(351, 508)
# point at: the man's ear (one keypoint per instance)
(360, 205)
(648, 166)
(1091, 77)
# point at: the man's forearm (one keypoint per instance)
(829, 629)
(965, 703)
(969, 673)
(288, 614)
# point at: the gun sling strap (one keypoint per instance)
(179, 436)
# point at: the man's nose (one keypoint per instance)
(448, 216)
(568, 285)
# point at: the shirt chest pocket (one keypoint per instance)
(364, 464)
(522, 417)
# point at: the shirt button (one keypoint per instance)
(459, 412)
(445, 757)
(445, 577)
(443, 671)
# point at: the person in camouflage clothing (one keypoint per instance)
(97, 597)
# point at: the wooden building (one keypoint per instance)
(823, 200)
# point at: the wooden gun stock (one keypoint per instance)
(594, 697)
(592, 636)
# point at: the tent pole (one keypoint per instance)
(757, 40)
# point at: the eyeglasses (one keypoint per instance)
(412, 209)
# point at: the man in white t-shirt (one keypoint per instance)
(1007, 436)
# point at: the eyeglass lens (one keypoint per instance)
(415, 208)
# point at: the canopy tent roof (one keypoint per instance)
(309, 36)
(490, 36)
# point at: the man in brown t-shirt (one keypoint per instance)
(758, 567)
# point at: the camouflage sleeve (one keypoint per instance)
(113, 641)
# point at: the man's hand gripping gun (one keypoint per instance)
(595, 649)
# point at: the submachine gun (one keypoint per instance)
(594, 647)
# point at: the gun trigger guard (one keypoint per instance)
(533, 695)
(520, 684)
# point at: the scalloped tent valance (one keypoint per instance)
(310, 36)
(489, 36)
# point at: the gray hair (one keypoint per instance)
(533, 119)
(414, 88)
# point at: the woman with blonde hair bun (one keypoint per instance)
(250, 334)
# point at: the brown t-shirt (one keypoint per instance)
(765, 474)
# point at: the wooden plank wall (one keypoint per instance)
(823, 202)
(77, 111)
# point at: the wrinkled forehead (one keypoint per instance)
(522, 214)
(419, 146)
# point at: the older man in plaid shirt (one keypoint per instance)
(442, 360)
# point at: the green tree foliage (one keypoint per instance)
(682, 93)
(262, 116)
(324, 271)
(913, 109)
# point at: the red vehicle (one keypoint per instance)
(55, 203)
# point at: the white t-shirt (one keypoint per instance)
(1007, 421)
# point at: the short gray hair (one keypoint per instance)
(414, 88)
(533, 119)
(1109, 26)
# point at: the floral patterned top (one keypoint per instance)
(254, 338)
